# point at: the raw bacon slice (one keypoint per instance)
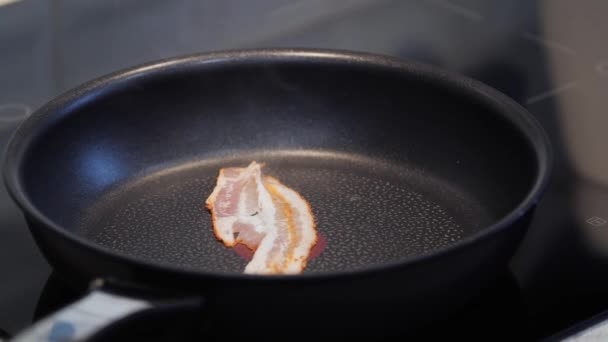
(276, 248)
(304, 235)
(234, 206)
(269, 218)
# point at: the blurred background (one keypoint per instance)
(551, 56)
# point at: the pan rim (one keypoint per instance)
(513, 112)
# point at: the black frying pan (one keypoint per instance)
(422, 183)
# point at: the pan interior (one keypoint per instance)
(394, 162)
(369, 211)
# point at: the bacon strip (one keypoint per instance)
(265, 215)
(233, 205)
(304, 228)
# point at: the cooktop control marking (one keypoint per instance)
(548, 44)
(602, 68)
(14, 112)
(551, 92)
(596, 221)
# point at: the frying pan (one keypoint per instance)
(422, 183)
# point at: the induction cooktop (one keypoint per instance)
(550, 56)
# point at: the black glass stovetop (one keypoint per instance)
(550, 56)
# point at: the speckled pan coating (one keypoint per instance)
(369, 211)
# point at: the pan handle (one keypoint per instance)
(99, 309)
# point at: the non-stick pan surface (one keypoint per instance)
(395, 164)
(368, 212)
